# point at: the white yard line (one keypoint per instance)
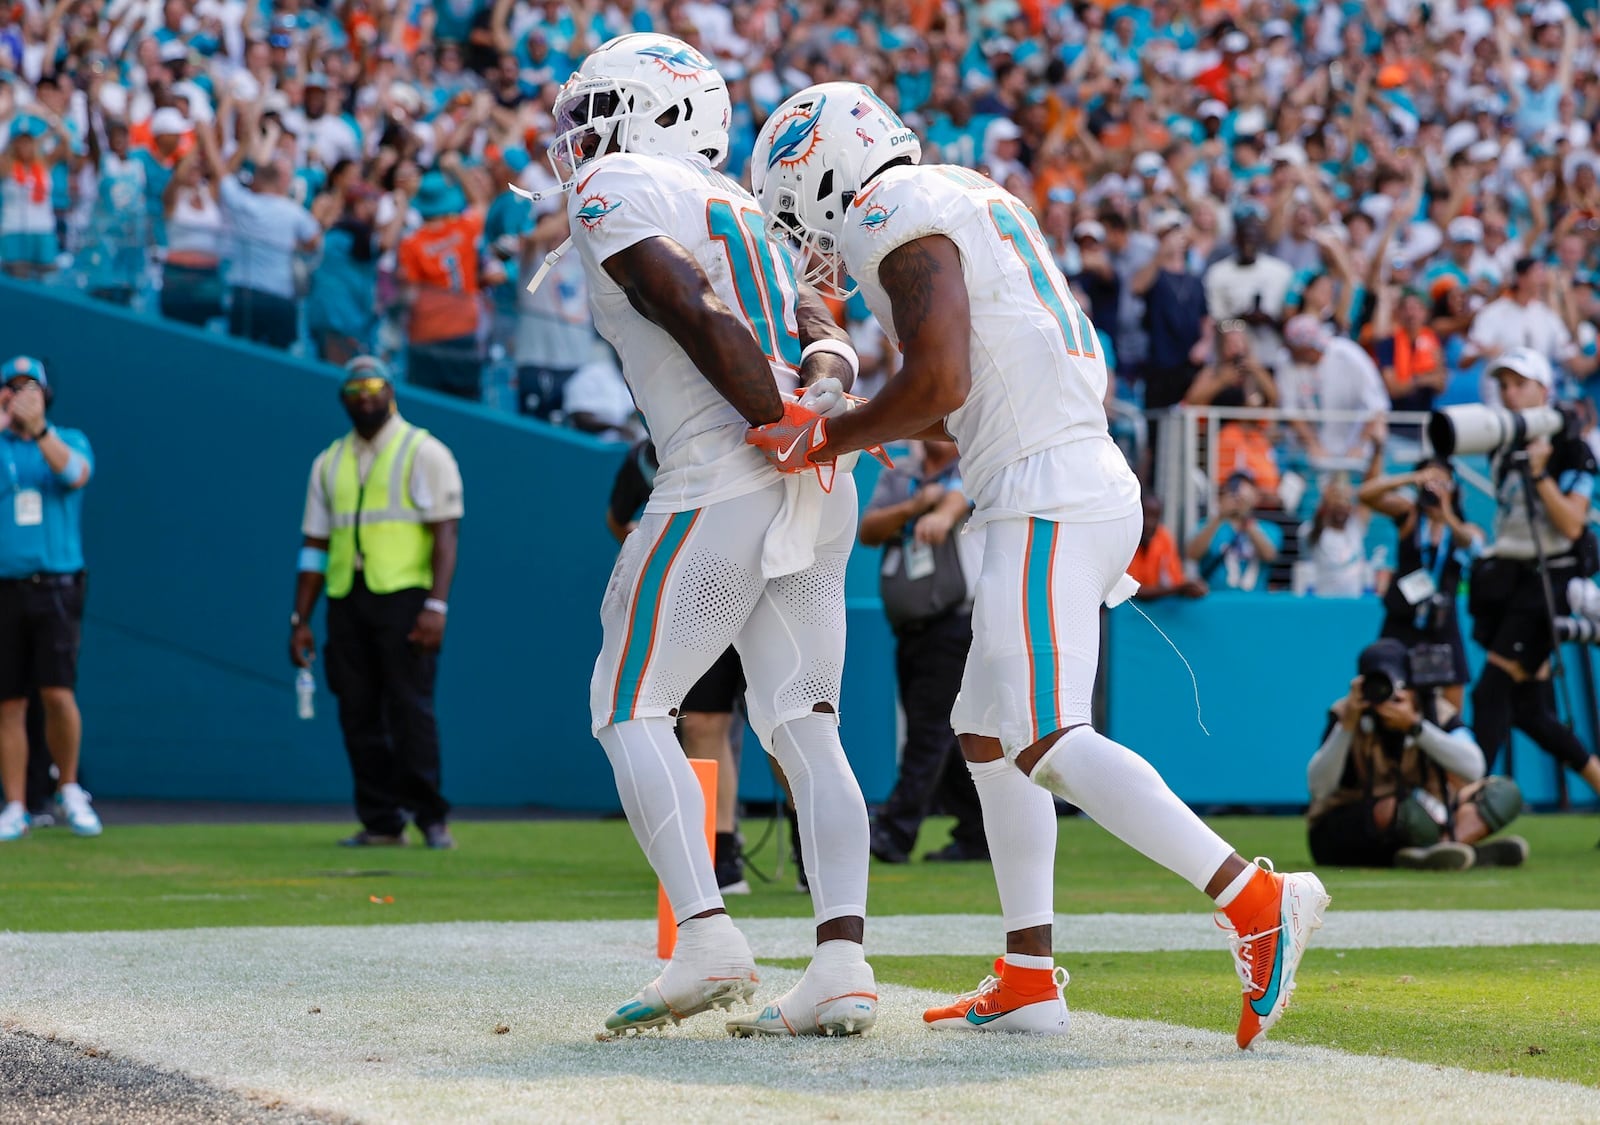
(404, 1032)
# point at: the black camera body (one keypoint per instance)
(1388, 668)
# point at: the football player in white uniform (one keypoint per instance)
(998, 355)
(705, 313)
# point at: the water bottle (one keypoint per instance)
(305, 693)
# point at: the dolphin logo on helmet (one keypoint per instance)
(798, 138)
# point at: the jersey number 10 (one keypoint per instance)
(763, 294)
(1023, 233)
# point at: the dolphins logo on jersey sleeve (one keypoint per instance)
(877, 217)
(594, 211)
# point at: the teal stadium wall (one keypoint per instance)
(192, 523)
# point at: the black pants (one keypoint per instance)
(451, 367)
(541, 391)
(384, 685)
(1517, 627)
(265, 318)
(1348, 836)
(928, 664)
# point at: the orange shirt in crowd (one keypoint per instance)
(1245, 446)
(1421, 355)
(441, 260)
(1157, 563)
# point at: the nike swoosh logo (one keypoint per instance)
(1269, 996)
(862, 198)
(978, 1021)
(783, 454)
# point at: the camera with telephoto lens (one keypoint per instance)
(1475, 428)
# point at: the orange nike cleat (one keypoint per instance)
(1032, 1001)
(1269, 926)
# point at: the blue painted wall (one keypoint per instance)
(192, 524)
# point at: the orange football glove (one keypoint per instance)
(792, 442)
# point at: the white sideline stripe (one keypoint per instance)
(405, 1033)
(917, 935)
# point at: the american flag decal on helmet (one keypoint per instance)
(861, 110)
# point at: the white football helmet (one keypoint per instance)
(814, 155)
(650, 94)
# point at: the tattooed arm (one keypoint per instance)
(815, 322)
(668, 287)
(928, 296)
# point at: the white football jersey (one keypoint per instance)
(625, 198)
(1038, 369)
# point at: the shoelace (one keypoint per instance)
(987, 985)
(1243, 948)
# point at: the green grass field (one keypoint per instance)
(1525, 1009)
(170, 877)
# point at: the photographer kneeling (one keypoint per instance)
(1399, 781)
(1511, 618)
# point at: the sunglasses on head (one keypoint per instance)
(371, 385)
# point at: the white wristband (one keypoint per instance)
(434, 604)
(833, 347)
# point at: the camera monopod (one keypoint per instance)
(1519, 462)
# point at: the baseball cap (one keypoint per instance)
(315, 81)
(1089, 229)
(1291, 154)
(367, 367)
(168, 122)
(1482, 151)
(1549, 11)
(1305, 331)
(1001, 129)
(1526, 362)
(1165, 221)
(174, 50)
(1461, 135)
(1235, 43)
(1148, 164)
(1275, 29)
(1465, 228)
(1211, 107)
(23, 367)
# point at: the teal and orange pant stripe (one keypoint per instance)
(644, 614)
(1039, 626)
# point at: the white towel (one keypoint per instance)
(1126, 587)
(791, 543)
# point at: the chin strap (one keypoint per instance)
(555, 255)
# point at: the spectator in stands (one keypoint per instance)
(1399, 781)
(1129, 251)
(118, 233)
(388, 600)
(41, 593)
(1097, 275)
(1329, 373)
(28, 243)
(1250, 285)
(191, 272)
(1176, 319)
(597, 400)
(1234, 378)
(1158, 564)
(170, 141)
(268, 228)
(1409, 355)
(1235, 550)
(1521, 318)
(555, 330)
(1335, 540)
(439, 266)
(341, 310)
(925, 581)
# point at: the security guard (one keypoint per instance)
(41, 592)
(383, 509)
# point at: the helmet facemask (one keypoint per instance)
(604, 114)
(818, 261)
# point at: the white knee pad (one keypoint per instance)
(831, 811)
(665, 809)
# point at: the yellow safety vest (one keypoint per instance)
(376, 519)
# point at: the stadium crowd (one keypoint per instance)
(1339, 205)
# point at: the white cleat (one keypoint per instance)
(841, 1000)
(13, 821)
(72, 806)
(715, 972)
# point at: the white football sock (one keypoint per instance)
(833, 815)
(1024, 961)
(1240, 882)
(1126, 796)
(1019, 819)
(666, 811)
